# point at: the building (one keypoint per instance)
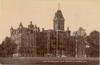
(25, 38)
(32, 42)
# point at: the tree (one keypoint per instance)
(8, 47)
(80, 33)
(80, 44)
(93, 40)
(95, 37)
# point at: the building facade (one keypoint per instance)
(31, 42)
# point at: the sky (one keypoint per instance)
(77, 13)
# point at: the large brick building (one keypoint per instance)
(57, 42)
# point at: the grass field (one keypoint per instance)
(49, 61)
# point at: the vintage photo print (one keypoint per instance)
(49, 32)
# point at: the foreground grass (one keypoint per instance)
(32, 60)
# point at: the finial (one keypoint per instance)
(30, 22)
(11, 28)
(58, 6)
(38, 29)
(42, 29)
(21, 24)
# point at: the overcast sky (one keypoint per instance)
(77, 13)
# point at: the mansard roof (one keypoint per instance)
(59, 14)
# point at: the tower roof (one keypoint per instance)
(59, 14)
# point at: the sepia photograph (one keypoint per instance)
(49, 32)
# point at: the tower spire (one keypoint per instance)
(58, 6)
(58, 19)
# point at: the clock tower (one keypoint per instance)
(58, 21)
